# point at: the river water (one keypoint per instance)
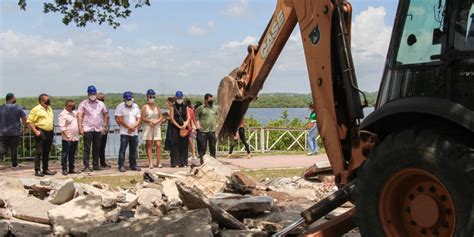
(263, 115)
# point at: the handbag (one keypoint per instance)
(183, 132)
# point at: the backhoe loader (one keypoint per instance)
(409, 166)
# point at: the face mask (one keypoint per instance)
(73, 107)
(92, 97)
(151, 100)
(210, 102)
(14, 102)
(129, 103)
(47, 102)
(179, 101)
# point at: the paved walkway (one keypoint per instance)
(256, 162)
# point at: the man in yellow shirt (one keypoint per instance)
(40, 120)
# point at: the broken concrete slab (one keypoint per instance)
(242, 233)
(194, 198)
(192, 223)
(168, 176)
(29, 229)
(242, 206)
(6, 213)
(77, 216)
(63, 193)
(29, 182)
(171, 191)
(217, 166)
(31, 209)
(12, 188)
(242, 179)
(4, 227)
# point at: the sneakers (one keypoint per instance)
(122, 169)
(136, 169)
(74, 172)
(309, 154)
(98, 168)
(65, 172)
(86, 169)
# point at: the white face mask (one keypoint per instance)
(151, 100)
(179, 101)
(129, 103)
(92, 97)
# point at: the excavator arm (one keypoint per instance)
(325, 32)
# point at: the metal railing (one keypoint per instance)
(260, 139)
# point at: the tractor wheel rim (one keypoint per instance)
(413, 202)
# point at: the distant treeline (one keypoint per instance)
(268, 100)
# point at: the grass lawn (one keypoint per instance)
(262, 174)
(122, 181)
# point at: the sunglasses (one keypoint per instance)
(151, 97)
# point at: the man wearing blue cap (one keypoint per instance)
(11, 116)
(127, 115)
(92, 120)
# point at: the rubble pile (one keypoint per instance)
(210, 200)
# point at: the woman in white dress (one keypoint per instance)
(152, 118)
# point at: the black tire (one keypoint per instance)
(445, 152)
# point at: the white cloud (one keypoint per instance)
(211, 24)
(245, 42)
(65, 66)
(370, 40)
(239, 8)
(196, 30)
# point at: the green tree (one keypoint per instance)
(83, 12)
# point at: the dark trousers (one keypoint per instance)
(91, 139)
(103, 143)
(9, 142)
(43, 144)
(178, 148)
(241, 132)
(207, 138)
(126, 141)
(198, 142)
(68, 155)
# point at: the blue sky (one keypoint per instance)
(172, 45)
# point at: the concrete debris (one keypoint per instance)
(194, 198)
(4, 227)
(31, 209)
(29, 229)
(242, 206)
(243, 233)
(207, 200)
(192, 223)
(77, 216)
(63, 193)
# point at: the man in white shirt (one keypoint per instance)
(127, 115)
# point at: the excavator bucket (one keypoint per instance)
(232, 107)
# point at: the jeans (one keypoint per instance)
(126, 141)
(9, 142)
(68, 155)
(207, 138)
(312, 141)
(91, 139)
(43, 144)
(103, 143)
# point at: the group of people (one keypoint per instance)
(186, 125)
